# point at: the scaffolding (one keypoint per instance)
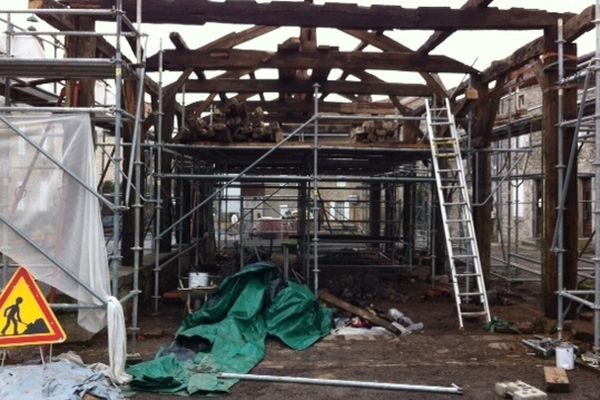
(116, 68)
(581, 123)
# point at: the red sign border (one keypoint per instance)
(56, 335)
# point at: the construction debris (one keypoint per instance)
(403, 323)
(542, 346)
(557, 380)
(364, 314)
(519, 390)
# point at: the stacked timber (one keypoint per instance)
(375, 132)
(232, 124)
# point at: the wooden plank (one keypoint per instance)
(226, 59)
(556, 379)
(364, 314)
(305, 86)
(335, 15)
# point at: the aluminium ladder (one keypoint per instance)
(457, 217)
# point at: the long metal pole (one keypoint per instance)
(116, 258)
(509, 192)
(300, 178)
(241, 227)
(316, 190)
(137, 207)
(158, 180)
(454, 389)
(597, 189)
(560, 169)
(9, 30)
(138, 247)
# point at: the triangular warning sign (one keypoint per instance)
(25, 316)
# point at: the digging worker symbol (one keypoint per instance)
(13, 316)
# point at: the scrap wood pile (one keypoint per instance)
(375, 132)
(394, 321)
(233, 123)
(228, 334)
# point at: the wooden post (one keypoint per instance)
(408, 227)
(486, 107)
(375, 210)
(547, 76)
(81, 93)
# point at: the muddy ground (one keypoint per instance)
(439, 355)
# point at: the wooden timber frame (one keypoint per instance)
(301, 63)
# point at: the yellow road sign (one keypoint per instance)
(25, 316)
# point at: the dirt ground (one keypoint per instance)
(439, 355)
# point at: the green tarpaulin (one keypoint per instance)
(234, 325)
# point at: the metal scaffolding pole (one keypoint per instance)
(597, 188)
(116, 256)
(560, 169)
(158, 180)
(316, 190)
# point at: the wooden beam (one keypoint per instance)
(227, 59)
(334, 15)
(301, 86)
(439, 36)
(387, 44)
(573, 29)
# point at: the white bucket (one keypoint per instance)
(198, 279)
(565, 357)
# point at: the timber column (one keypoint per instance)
(547, 74)
(486, 108)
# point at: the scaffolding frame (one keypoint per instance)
(117, 69)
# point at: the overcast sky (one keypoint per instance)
(479, 48)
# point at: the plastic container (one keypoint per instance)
(198, 279)
(565, 357)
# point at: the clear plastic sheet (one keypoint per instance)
(52, 209)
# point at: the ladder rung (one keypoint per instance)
(455, 221)
(446, 155)
(472, 274)
(470, 294)
(464, 256)
(441, 123)
(472, 313)
(438, 109)
(461, 238)
(456, 203)
(449, 170)
(452, 187)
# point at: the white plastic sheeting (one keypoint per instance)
(52, 209)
